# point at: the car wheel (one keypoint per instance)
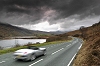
(44, 53)
(33, 57)
(16, 59)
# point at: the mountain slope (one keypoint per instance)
(89, 54)
(7, 30)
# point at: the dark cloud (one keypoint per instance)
(25, 11)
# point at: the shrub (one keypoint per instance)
(17, 45)
(1, 48)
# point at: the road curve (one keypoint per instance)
(57, 55)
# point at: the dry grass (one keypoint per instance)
(89, 54)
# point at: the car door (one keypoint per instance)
(38, 52)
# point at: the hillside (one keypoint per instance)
(7, 30)
(89, 54)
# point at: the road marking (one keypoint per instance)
(74, 56)
(2, 61)
(71, 60)
(57, 51)
(68, 45)
(80, 46)
(35, 62)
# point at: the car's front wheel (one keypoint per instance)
(44, 52)
(33, 57)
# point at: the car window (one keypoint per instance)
(35, 48)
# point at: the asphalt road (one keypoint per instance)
(57, 55)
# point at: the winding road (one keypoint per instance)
(61, 54)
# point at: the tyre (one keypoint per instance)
(44, 53)
(16, 59)
(33, 57)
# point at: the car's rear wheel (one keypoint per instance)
(33, 57)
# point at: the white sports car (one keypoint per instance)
(30, 53)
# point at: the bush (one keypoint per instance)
(1, 48)
(17, 45)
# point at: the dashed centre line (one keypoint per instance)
(68, 45)
(2, 61)
(57, 51)
(36, 62)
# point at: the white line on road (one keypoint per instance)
(80, 46)
(74, 56)
(68, 45)
(35, 62)
(71, 60)
(2, 61)
(57, 51)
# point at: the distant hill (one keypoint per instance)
(89, 54)
(58, 32)
(7, 30)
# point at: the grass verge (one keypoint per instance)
(22, 47)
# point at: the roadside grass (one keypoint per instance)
(25, 46)
(89, 54)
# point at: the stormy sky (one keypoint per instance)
(50, 15)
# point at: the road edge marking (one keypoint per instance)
(71, 60)
(74, 55)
